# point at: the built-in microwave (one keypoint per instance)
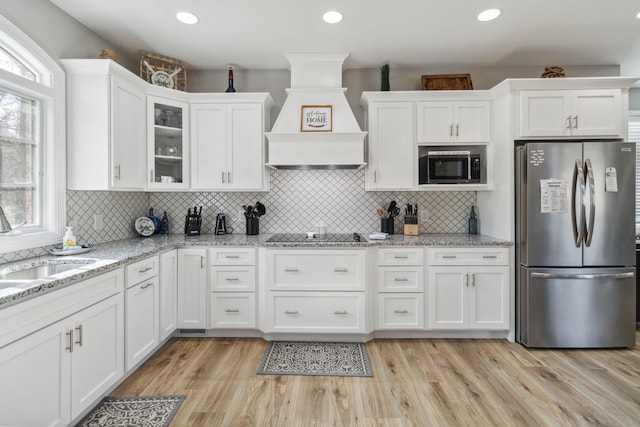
(449, 167)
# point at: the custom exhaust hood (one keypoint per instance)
(316, 128)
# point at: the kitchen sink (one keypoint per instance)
(40, 271)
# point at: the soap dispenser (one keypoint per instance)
(69, 239)
(473, 222)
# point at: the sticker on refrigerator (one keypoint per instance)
(536, 157)
(554, 196)
(611, 180)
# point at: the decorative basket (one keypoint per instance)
(553, 72)
(166, 64)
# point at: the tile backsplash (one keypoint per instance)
(298, 200)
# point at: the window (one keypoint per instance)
(32, 142)
(634, 136)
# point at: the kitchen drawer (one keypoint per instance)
(340, 270)
(232, 278)
(400, 256)
(232, 256)
(317, 312)
(401, 279)
(468, 256)
(232, 310)
(401, 311)
(141, 270)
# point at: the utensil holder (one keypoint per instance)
(253, 226)
(386, 225)
(411, 230)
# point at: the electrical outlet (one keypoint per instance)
(98, 222)
(424, 215)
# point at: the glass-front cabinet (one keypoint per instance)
(168, 148)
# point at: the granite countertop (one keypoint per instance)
(107, 256)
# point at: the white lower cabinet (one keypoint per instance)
(59, 371)
(168, 290)
(472, 296)
(400, 288)
(232, 282)
(192, 288)
(316, 290)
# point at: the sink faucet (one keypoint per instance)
(5, 227)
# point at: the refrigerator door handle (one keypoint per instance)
(578, 180)
(592, 202)
(583, 276)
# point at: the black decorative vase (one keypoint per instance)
(230, 88)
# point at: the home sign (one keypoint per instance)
(316, 118)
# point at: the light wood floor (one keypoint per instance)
(415, 383)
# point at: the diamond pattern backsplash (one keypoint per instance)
(298, 201)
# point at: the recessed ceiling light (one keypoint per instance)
(332, 17)
(638, 15)
(186, 18)
(488, 15)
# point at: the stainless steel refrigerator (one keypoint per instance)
(575, 244)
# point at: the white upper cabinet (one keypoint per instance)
(168, 143)
(227, 143)
(106, 132)
(391, 146)
(461, 121)
(563, 113)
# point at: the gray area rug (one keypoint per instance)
(148, 411)
(315, 358)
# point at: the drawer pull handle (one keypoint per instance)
(232, 256)
(340, 270)
(232, 279)
(80, 339)
(70, 335)
(400, 279)
(489, 256)
(401, 311)
(232, 310)
(449, 256)
(291, 312)
(145, 286)
(291, 270)
(342, 312)
(144, 270)
(401, 256)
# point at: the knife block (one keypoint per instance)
(192, 225)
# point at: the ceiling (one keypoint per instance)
(254, 34)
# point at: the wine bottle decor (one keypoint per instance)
(230, 88)
(384, 78)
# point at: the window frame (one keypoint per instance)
(49, 90)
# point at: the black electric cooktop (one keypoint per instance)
(324, 238)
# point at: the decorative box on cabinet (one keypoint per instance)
(562, 113)
(469, 288)
(168, 143)
(69, 353)
(400, 288)
(142, 310)
(228, 143)
(232, 281)
(106, 126)
(316, 290)
(460, 121)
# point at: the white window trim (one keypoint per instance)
(52, 127)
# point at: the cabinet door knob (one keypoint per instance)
(232, 256)
(232, 310)
(451, 129)
(575, 122)
(568, 121)
(223, 177)
(401, 256)
(457, 130)
(341, 312)
(449, 256)
(146, 285)
(70, 335)
(400, 279)
(340, 270)
(80, 335)
(144, 270)
(291, 270)
(291, 312)
(117, 172)
(489, 256)
(401, 311)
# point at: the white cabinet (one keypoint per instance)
(141, 318)
(192, 288)
(468, 288)
(460, 121)
(168, 308)
(232, 281)
(106, 126)
(561, 113)
(227, 143)
(400, 288)
(167, 144)
(391, 146)
(316, 290)
(66, 366)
